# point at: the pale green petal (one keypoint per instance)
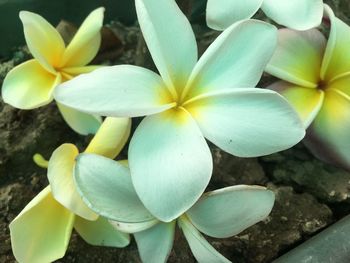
(169, 38)
(221, 14)
(60, 175)
(307, 102)
(155, 244)
(234, 59)
(86, 42)
(41, 232)
(29, 86)
(328, 135)
(201, 249)
(170, 163)
(43, 40)
(81, 122)
(247, 122)
(337, 56)
(228, 211)
(296, 14)
(111, 137)
(298, 57)
(106, 187)
(100, 233)
(117, 91)
(133, 227)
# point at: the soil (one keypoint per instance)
(310, 195)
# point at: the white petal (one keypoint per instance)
(100, 233)
(117, 91)
(106, 187)
(296, 14)
(170, 163)
(247, 122)
(133, 227)
(169, 38)
(60, 175)
(227, 212)
(222, 13)
(155, 244)
(201, 249)
(237, 58)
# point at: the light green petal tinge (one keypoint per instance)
(86, 42)
(106, 187)
(174, 51)
(170, 163)
(81, 122)
(307, 102)
(247, 122)
(328, 136)
(296, 14)
(221, 14)
(43, 40)
(337, 56)
(100, 233)
(41, 232)
(234, 60)
(60, 175)
(201, 249)
(133, 227)
(155, 244)
(228, 211)
(298, 57)
(111, 137)
(29, 86)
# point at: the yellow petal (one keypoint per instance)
(29, 86)
(336, 60)
(111, 137)
(100, 233)
(307, 102)
(341, 84)
(41, 232)
(81, 122)
(43, 40)
(60, 175)
(75, 71)
(86, 42)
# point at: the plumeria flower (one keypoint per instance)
(296, 14)
(106, 187)
(213, 98)
(31, 84)
(41, 232)
(315, 80)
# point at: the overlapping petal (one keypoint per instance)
(228, 211)
(170, 163)
(29, 86)
(169, 38)
(247, 122)
(60, 175)
(111, 137)
(307, 102)
(296, 14)
(201, 249)
(100, 233)
(118, 91)
(298, 57)
(80, 122)
(221, 14)
(328, 135)
(155, 244)
(337, 56)
(86, 42)
(41, 232)
(237, 58)
(133, 227)
(43, 40)
(106, 187)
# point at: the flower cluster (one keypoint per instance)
(191, 100)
